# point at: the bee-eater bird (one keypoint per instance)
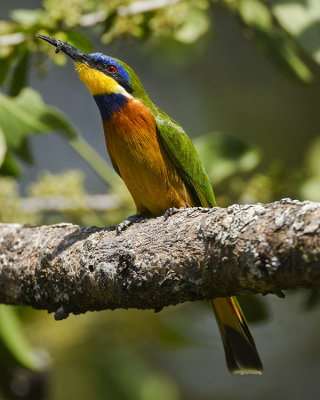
(161, 168)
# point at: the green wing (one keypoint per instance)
(185, 156)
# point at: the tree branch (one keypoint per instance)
(194, 254)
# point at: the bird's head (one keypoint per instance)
(102, 74)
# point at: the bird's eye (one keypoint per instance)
(111, 69)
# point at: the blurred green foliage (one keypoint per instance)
(285, 30)
(20, 116)
(273, 39)
(106, 350)
(15, 343)
(223, 156)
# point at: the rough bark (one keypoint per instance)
(193, 254)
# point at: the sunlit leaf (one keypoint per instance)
(24, 115)
(255, 14)
(27, 114)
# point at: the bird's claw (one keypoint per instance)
(170, 212)
(127, 222)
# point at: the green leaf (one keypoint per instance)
(9, 167)
(224, 156)
(27, 114)
(301, 18)
(255, 14)
(273, 40)
(12, 340)
(22, 116)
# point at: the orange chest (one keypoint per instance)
(149, 173)
(133, 144)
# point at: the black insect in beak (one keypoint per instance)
(72, 52)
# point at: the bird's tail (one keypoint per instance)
(240, 350)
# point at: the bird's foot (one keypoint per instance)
(128, 221)
(170, 212)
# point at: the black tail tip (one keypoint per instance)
(241, 355)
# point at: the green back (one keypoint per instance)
(178, 145)
(183, 153)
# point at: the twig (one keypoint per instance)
(98, 202)
(194, 254)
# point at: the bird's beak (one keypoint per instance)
(71, 51)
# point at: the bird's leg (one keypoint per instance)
(128, 221)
